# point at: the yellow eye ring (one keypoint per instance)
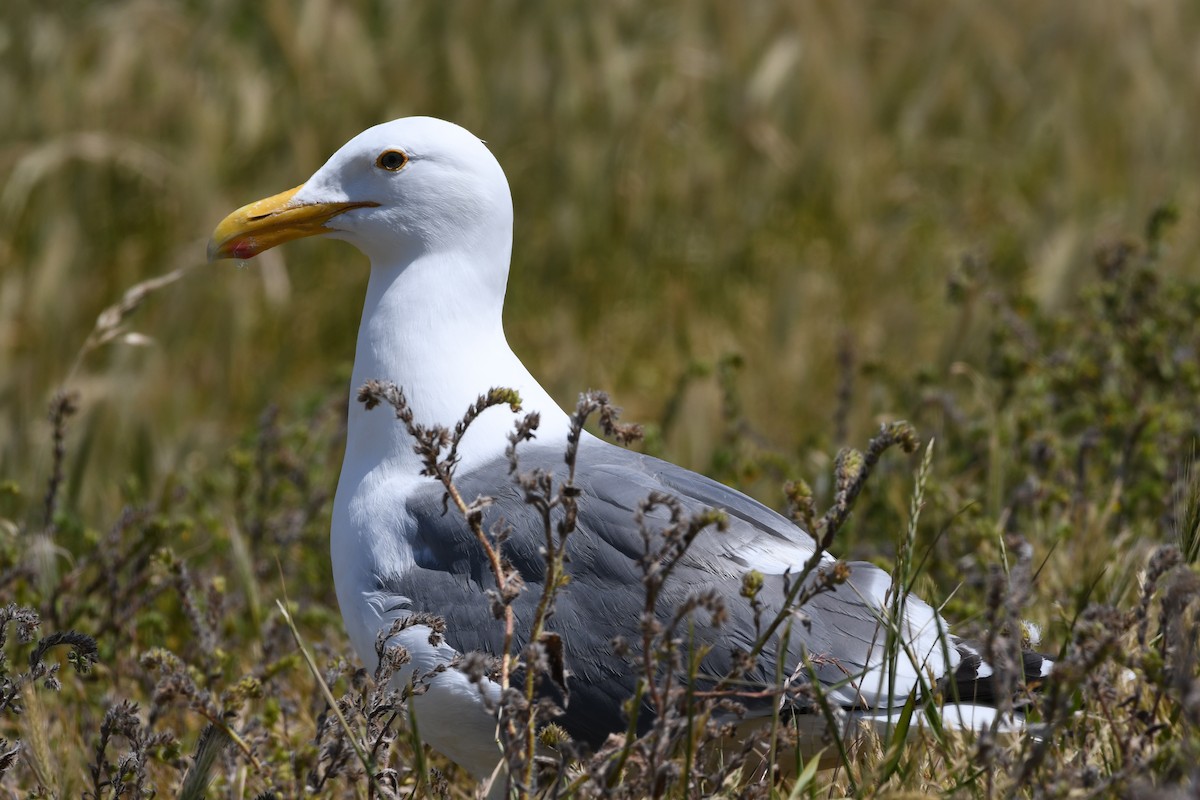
(392, 160)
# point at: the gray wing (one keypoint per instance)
(605, 597)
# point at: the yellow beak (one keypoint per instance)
(274, 220)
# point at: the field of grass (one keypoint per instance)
(764, 228)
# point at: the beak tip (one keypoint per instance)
(214, 251)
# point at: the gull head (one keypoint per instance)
(396, 191)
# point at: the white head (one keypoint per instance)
(396, 191)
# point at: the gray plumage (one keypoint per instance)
(605, 596)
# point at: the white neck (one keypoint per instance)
(443, 343)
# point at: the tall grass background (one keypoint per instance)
(763, 227)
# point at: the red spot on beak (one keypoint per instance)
(243, 249)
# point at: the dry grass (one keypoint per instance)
(742, 220)
(689, 181)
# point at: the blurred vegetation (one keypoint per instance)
(764, 228)
(690, 181)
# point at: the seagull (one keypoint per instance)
(430, 206)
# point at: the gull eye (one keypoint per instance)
(391, 160)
